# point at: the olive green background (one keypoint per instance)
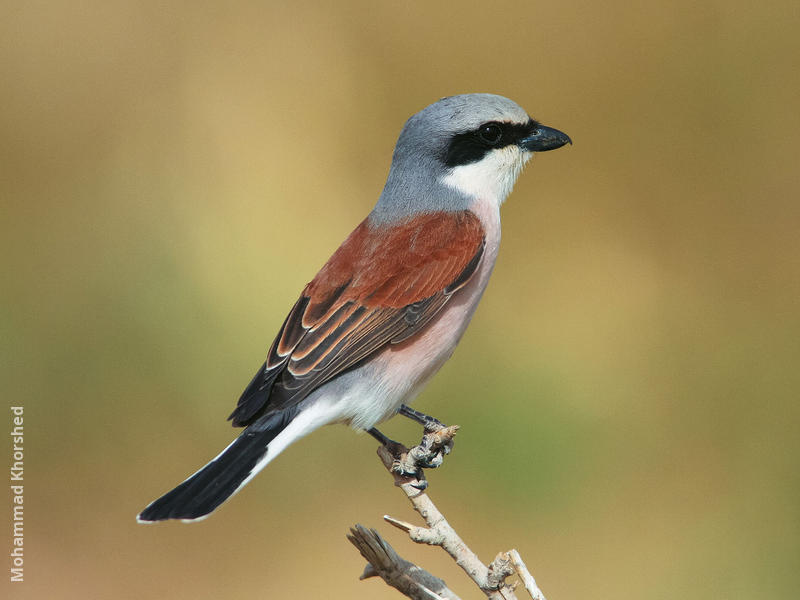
(173, 173)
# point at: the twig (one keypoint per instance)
(414, 582)
(405, 576)
(438, 531)
(527, 579)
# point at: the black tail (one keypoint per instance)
(221, 478)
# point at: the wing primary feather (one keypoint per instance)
(315, 311)
(254, 397)
(302, 363)
(292, 330)
(319, 333)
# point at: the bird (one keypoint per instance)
(390, 305)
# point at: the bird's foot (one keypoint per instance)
(436, 442)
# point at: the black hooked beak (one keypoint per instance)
(542, 139)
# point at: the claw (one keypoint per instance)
(431, 451)
(436, 443)
(420, 484)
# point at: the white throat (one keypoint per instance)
(492, 177)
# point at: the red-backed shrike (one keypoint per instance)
(388, 308)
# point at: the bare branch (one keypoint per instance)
(527, 579)
(406, 467)
(399, 573)
(439, 532)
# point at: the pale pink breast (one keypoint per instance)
(408, 366)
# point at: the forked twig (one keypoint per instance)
(407, 577)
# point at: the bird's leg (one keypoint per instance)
(428, 422)
(396, 448)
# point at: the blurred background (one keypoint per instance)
(172, 174)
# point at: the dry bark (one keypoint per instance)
(411, 580)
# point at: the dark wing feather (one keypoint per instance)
(382, 286)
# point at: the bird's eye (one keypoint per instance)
(535, 132)
(491, 133)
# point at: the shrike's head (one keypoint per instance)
(461, 149)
